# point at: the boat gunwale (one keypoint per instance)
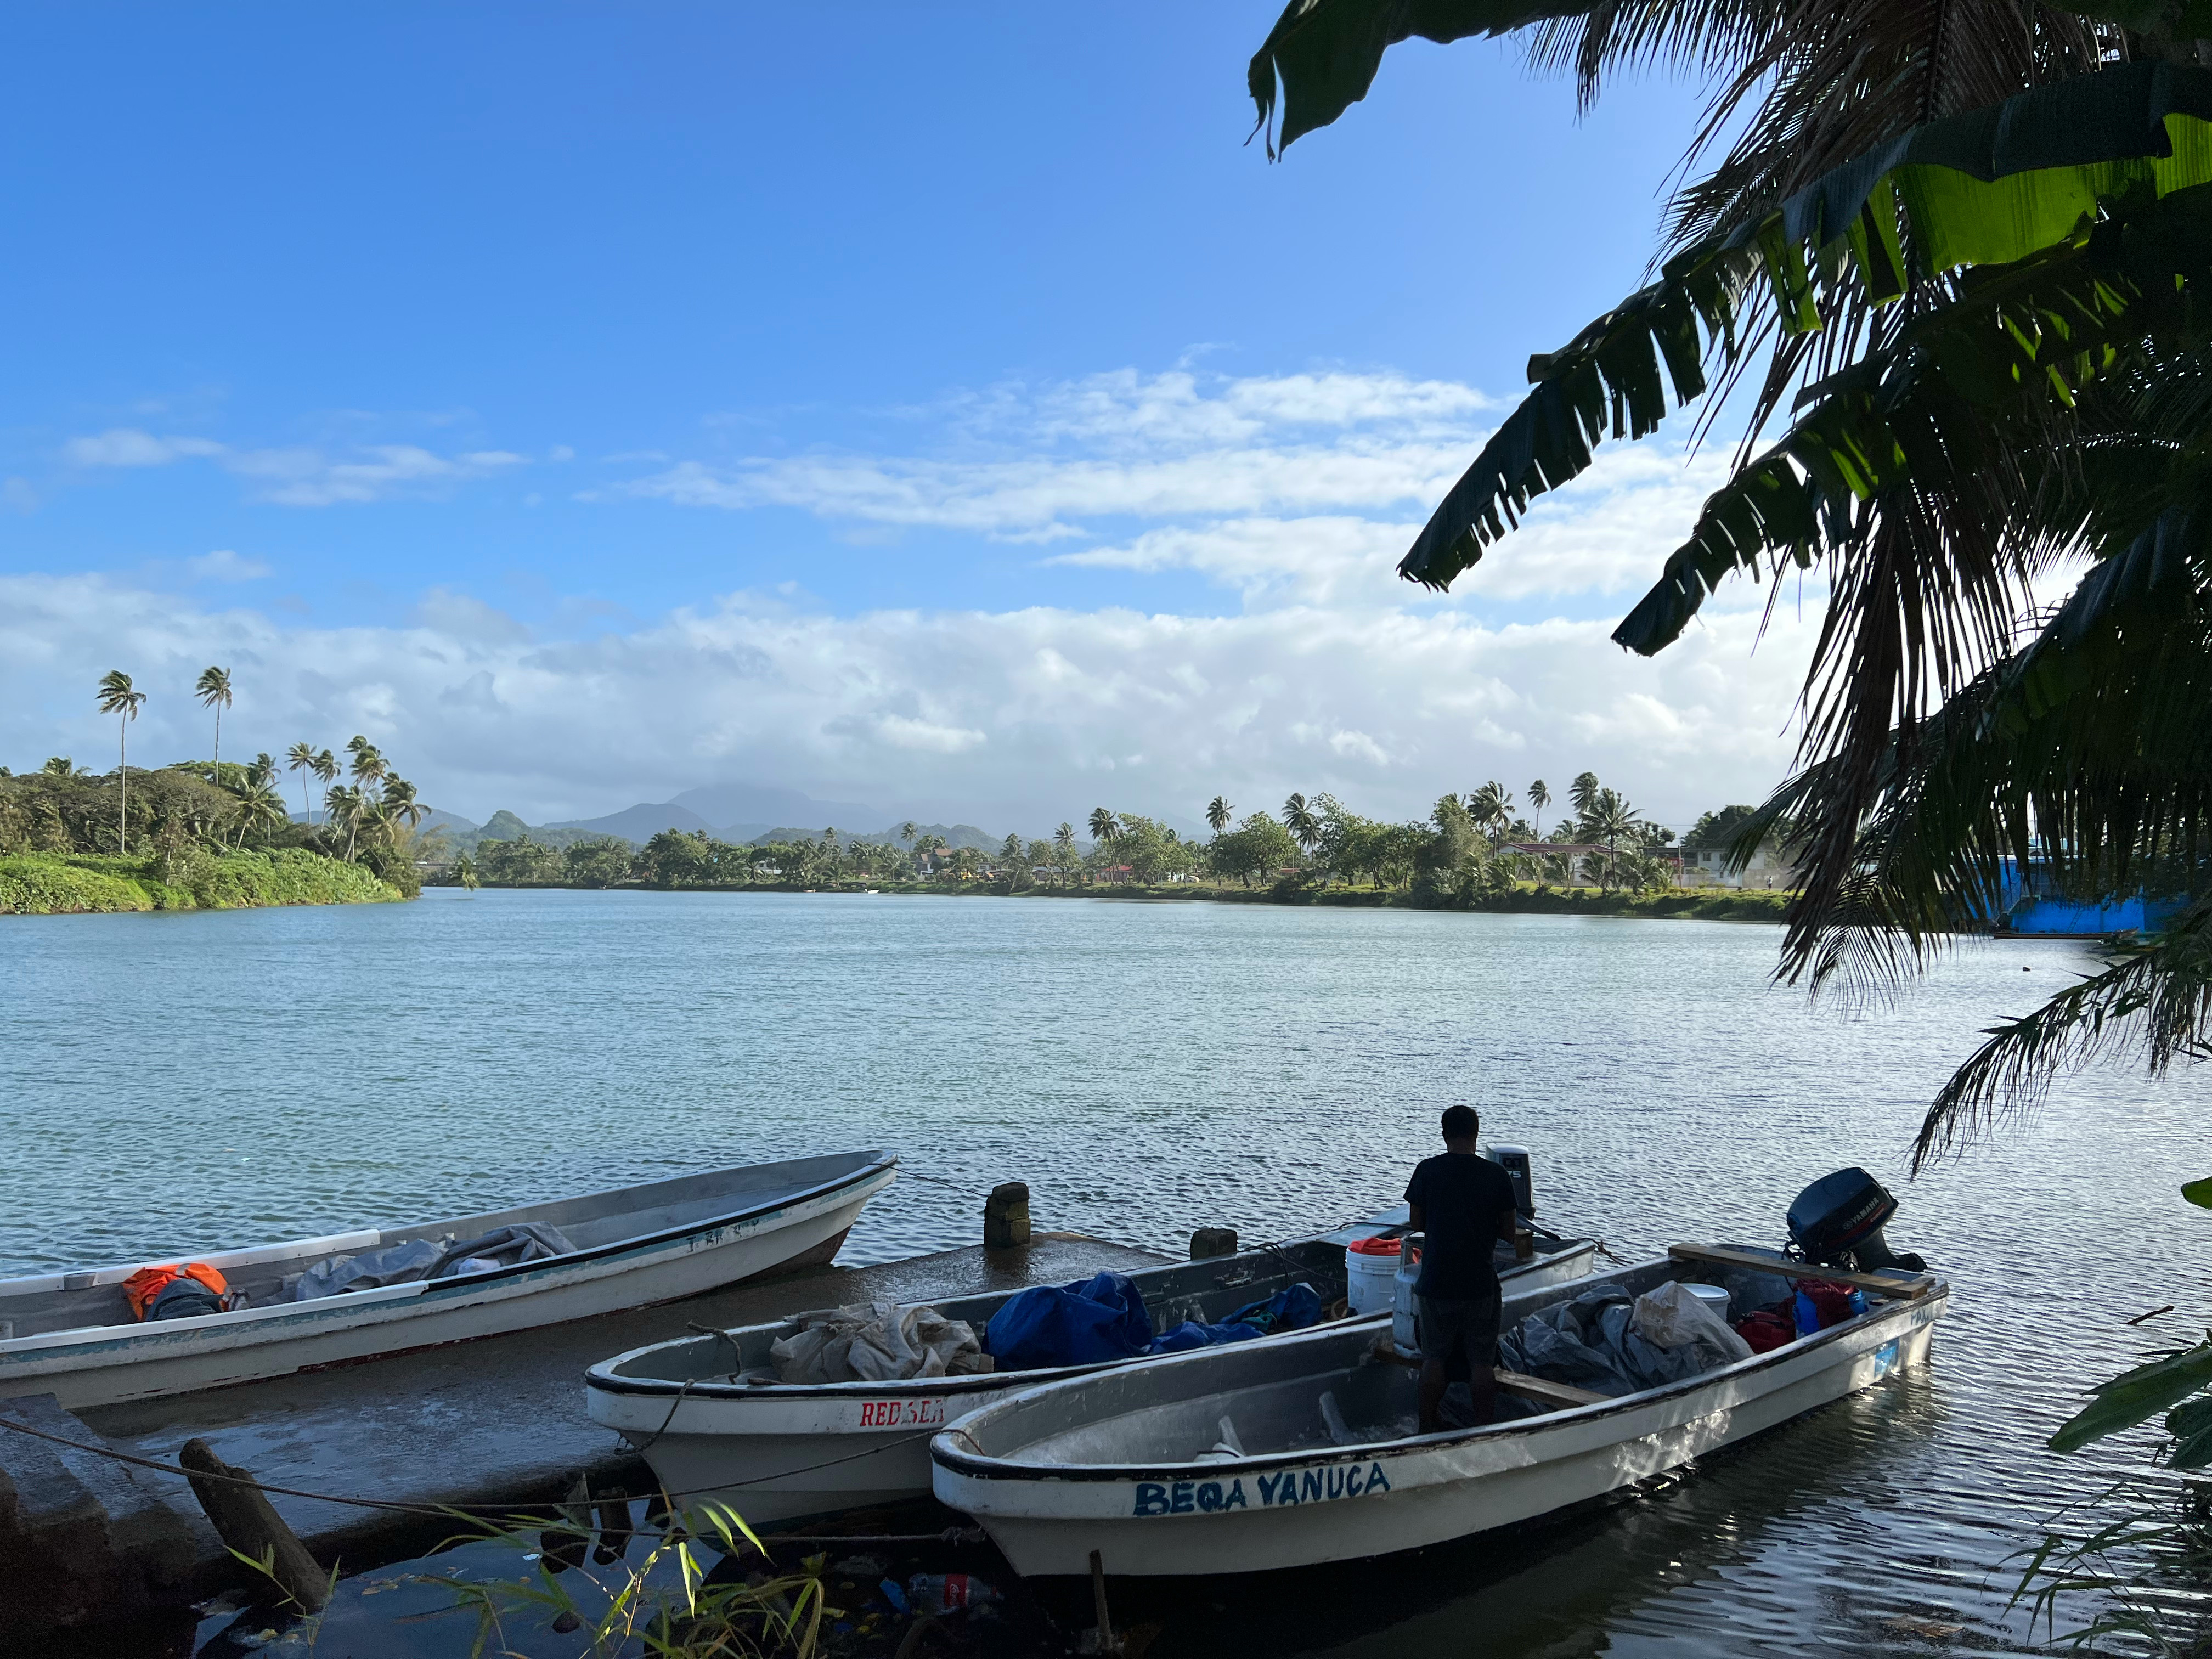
(602, 1377)
(46, 1343)
(982, 1466)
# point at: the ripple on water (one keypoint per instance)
(202, 1081)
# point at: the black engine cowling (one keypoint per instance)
(1837, 1222)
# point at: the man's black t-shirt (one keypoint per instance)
(1461, 1196)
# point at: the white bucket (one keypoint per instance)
(1713, 1296)
(1368, 1281)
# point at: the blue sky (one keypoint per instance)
(943, 406)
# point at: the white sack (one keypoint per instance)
(876, 1342)
(1670, 1317)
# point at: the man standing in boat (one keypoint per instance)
(1464, 1203)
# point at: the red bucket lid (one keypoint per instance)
(1375, 1247)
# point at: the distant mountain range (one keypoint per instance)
(697, 811)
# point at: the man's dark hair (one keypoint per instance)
(1461, 1123)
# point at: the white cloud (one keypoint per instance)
(302, 475)
(1014, 719)
(127, 447)
(224, 566)
(1031, 463)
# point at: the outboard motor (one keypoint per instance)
(1837, 1222)
(1514, 1160)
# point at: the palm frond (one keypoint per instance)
(2153, 1003)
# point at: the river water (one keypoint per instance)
(208, 1080)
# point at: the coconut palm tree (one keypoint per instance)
(1492, 808)
(1063, 852)
(399, 801)
(1104, 826)
(117, 698)
(1540, 798)
(60, 766)
(1303, 822)
(213, 690)
(369, 768)
(326, 768)
(259, 806)
(1219, 814)
(343, 805)
(908, 830)
(301, 757)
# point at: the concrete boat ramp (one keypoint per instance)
(490, 1424)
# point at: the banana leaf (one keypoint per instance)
(2136, 1396)
(1325, 52)
(1994, 185)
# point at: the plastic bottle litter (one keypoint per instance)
(948, 1592)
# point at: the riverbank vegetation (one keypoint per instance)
(204, 835)
(1472, 853)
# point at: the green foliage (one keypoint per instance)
(192, 878)
(599, 862)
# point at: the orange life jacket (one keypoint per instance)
(143, 1286)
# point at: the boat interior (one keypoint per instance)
(1207, 1290)
(1314, 1395)
(44, 1304)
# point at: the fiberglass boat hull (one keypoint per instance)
(1260, 1514)
(689, 1236)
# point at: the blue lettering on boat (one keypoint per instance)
(1151, 1498)
(1377, 1480)
(1267, 1489)
(1209, 1495)
(1181, 1503)
(1352, 1481)
(1309, 1486)
(1336, 1482)
(1236, 1498)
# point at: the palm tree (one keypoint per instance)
(1063, 852)
(325, 766)
(368, 765)
(213, 690)
(1219, 814)
(117, 698)
(1104, 826)
(1540, 798)
(400, 802)
(301, 757)
(1582, 795)
(343, 805)
(1492, 808)
(259, 806)
(60, 766)
(1302, 822)
(908, 830)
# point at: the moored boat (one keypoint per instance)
(1302, 1451)
(75, 1335)
(708, 1414)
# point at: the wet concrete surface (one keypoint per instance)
(500, 1422)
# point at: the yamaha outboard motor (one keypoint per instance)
(1837, 1222)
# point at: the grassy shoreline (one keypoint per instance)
(1673, 904)
(66, 884)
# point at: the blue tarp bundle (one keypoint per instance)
(1098, 1319)
(1291, 1310)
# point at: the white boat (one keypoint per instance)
(73, 1334)
(710, 1417)
(1301, 1451)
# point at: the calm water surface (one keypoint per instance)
(201, 1081)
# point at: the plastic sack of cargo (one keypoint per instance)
(1086, 1323)
(1675, 1318)
(876, 1342)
